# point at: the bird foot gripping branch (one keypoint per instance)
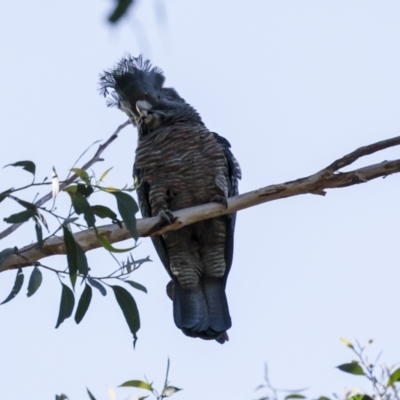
(179, 164)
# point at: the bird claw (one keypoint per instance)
(219, 199)
(167, 216)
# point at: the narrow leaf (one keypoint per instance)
(55, 184)
(26, 204)
(346, 343)
(129, 309)
(72, 254)
(108, 246)
(170, 390)
(20, 217)
(127, 208)
(137, 286)
(90, 394)
(4, 194)
(105, 212)
(351, 368)
(96, 284)
(120, 10)
(4, 254)
(42, 219)
(83, 304)
(137, 384)
(71, 189)
(66, 304)
(360, 397)
(26, 165)
(104, 174)
(34, 281)
(83, 266)
(61, 397)
(394, 377)
(19, 280)
(294, 396)
(85, 190)
(82, 206)
(39, 233)
(82, 174)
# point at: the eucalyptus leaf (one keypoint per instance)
(120, 10)
(61, 397)
(394, 377)
(129, 309)
(82, 206)
(26, 204)
(4, 194)
(26, 165)
(82, 174)
(351, 368)
(4, 254)
(108, 246)
(90, 394)
(22, 216)
(66, 304)
(96, 284)
(39, 233)
(19, 280)
(83, 304)
(138, 384)
(127, 208)
(35, 281)
(105, 173)
(169, 391)
(83, 266)
(72, 255)
(360, 396)
(104, 212)
(137, 286)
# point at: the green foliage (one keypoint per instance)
(19, 280)
(394, 377)
(136, 285)
(34, 281)
(5, 254)
(96, 284)
(83, 304)
(80, 189)
(26, 165)
(120, 10)
(352, 368)
(127, 207)
(384, 380)
(66, 304)
(129, 309)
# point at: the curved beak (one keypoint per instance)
(143, 107)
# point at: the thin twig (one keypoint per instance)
(71, 179)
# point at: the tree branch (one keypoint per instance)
(327, 178)
(71, 179)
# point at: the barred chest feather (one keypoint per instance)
(184, 166)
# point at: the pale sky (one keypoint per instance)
(293, 85)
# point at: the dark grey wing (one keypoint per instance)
(143, 196)
(233, 174)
